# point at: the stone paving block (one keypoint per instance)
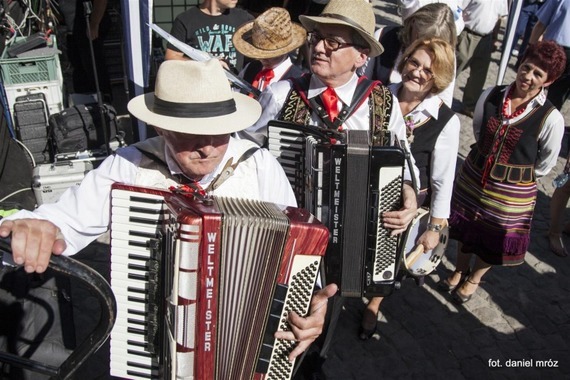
(481, 338)
(530, 338)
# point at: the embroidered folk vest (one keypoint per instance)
(297, 108)
(516, 153)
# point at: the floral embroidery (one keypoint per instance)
(410, 125)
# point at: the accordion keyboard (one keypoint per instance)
(135, 221)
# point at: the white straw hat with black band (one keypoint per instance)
(196, 98)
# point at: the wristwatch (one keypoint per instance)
(434, 227)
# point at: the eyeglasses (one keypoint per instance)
(414, 65)
(331, 44)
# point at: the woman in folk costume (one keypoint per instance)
(518, 133)
(269, 39)
(426, 68)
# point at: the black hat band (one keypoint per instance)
(194, 110)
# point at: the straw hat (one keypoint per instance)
(270, 35)
(357, 14)
(195, 97)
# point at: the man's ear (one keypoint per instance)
(158, 131)
(362, 57)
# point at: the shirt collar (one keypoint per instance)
(344, 92)
(281, 69)
(537, 101)
(429, 107)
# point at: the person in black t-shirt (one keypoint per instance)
(210, 27)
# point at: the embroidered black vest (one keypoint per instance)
(425, 137)
(296, 108)
(509, 153)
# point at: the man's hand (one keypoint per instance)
(398, 221)
(33, 242)
(306, 329)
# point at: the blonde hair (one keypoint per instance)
(442, 61)
(431, 20)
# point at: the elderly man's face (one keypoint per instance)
(197, 155)
(335, 67)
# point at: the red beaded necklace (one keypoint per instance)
(506, 105)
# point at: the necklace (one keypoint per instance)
(506, 105)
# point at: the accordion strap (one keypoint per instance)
(156, 156)
(229, 169)
(362, 91)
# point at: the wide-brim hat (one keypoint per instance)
(195, 97)
(357, 14)
(270, 35)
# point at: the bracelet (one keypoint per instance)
(434, 227)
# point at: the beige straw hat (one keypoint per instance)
(357, 14)
(270, 35)
(195, 97)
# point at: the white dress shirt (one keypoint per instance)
(549, 139)
(444, 155)
(83, 212)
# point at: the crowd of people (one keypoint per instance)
(352, 76)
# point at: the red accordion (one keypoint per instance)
(203, 285)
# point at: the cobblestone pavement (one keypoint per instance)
(517, 326)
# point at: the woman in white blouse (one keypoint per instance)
(433, 129)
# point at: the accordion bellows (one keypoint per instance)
(202, 288)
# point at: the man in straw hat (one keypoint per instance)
(193, 146)
(341, 39)
(269, 39)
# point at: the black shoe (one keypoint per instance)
(365, 331)
(459, 298)
(444, 286)
(365, 334)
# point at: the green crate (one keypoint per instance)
(30, 69)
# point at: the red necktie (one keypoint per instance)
(266, 75)
(330, 101)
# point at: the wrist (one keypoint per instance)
(435, 227)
